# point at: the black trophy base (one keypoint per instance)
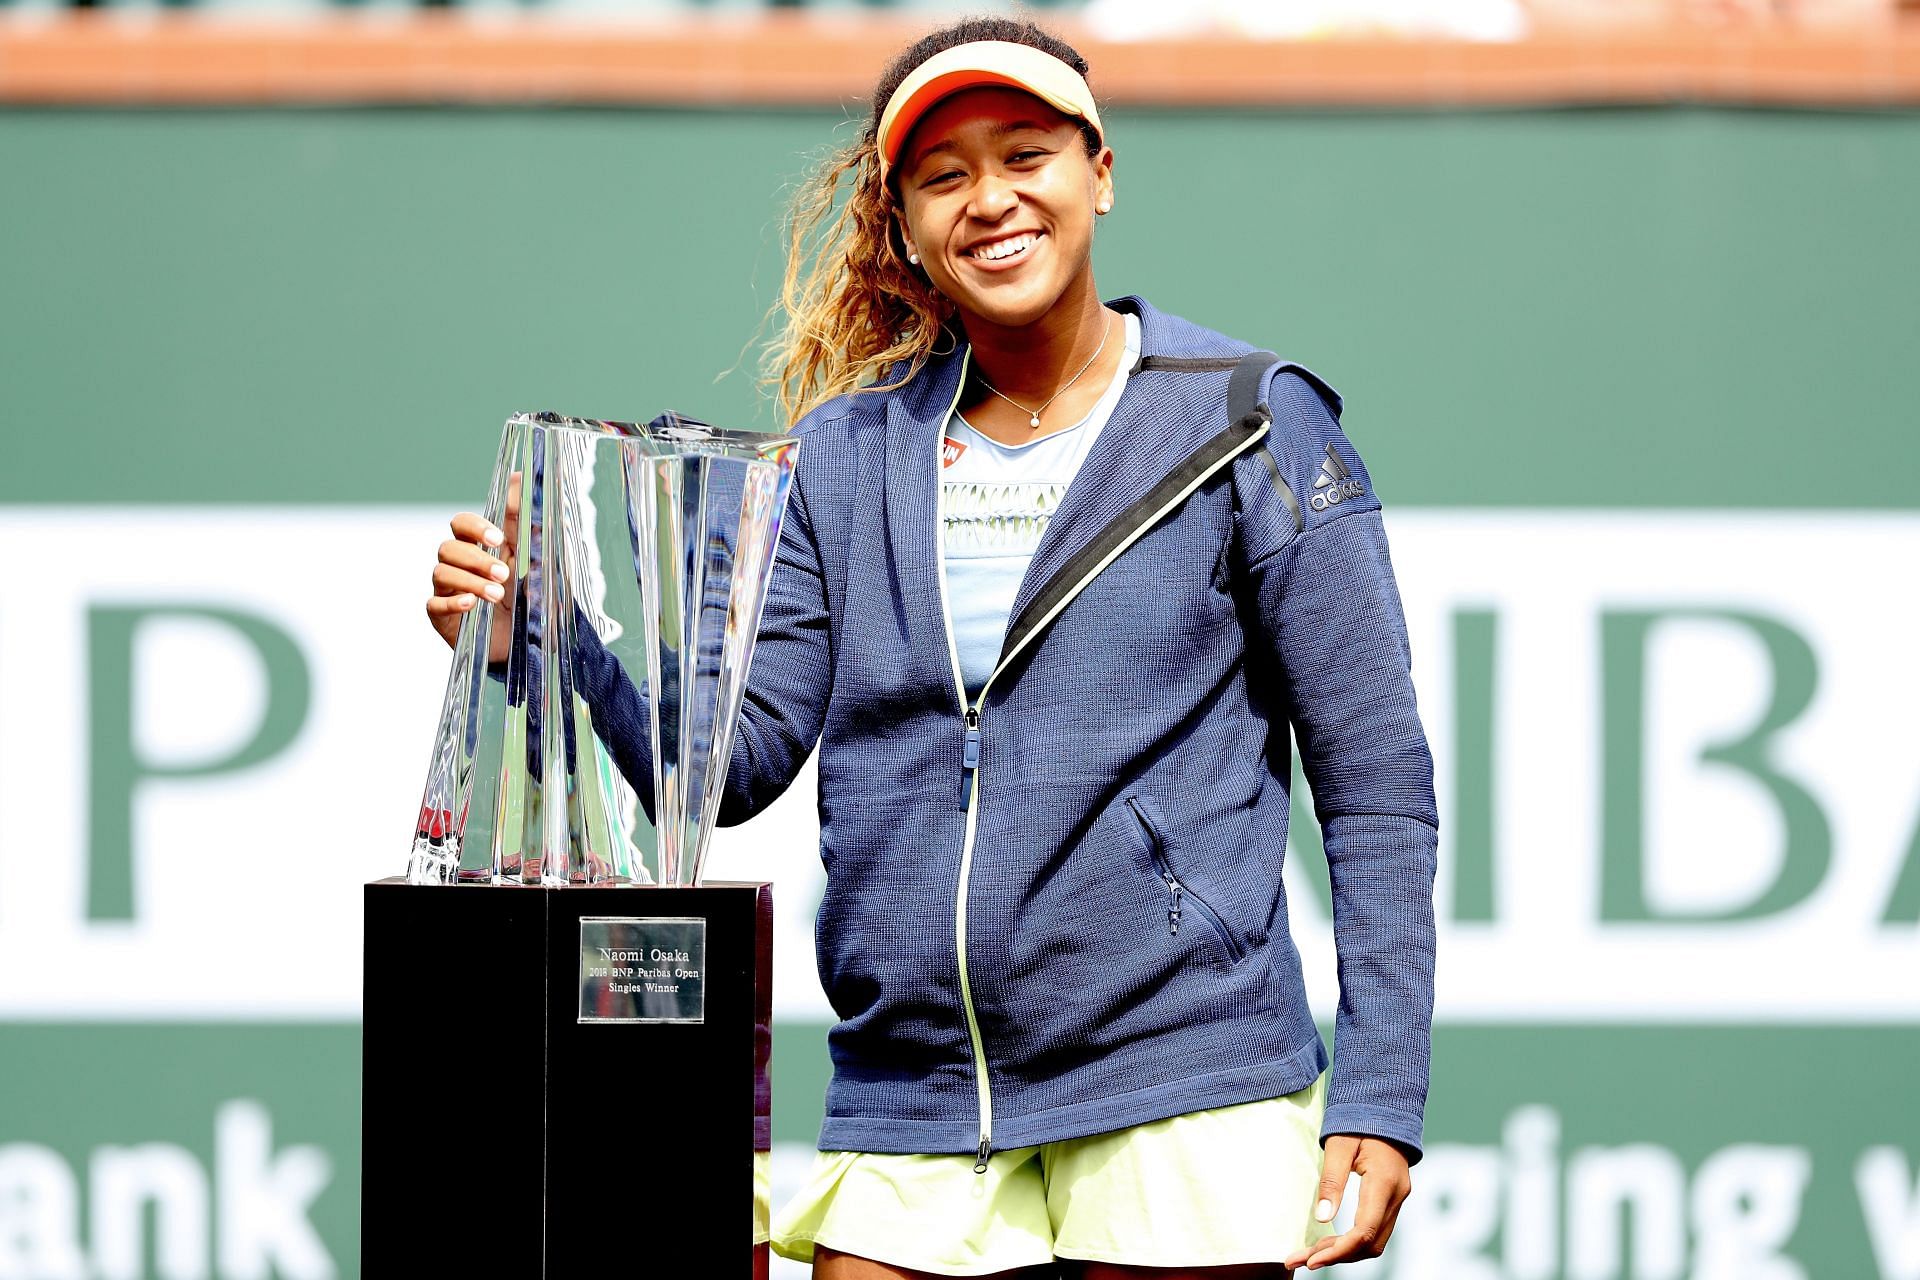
(516, 1125)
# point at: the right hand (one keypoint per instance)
(477, 562)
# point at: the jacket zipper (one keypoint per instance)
(969, 766)
(972, 794)
(1176, 891)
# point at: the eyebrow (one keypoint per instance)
(996, 131)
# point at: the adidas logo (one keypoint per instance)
(1335, 484)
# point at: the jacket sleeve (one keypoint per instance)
(1314, 554)
(791, 674)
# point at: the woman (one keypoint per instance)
(1056, 578)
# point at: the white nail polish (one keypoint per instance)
(494, 536)
(495, 591)
(1324, 1211)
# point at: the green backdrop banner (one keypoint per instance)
(1635, 386)
(1568, 1150)
(1685, 308)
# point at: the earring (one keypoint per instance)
(1103, 206)
(914, 258)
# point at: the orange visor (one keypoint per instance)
(968, 66)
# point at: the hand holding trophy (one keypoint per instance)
(476, 564)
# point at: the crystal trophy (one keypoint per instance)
(588, 719)
(576, 778)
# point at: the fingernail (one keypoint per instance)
(1324, 1211)
(494, 536)
(463, 602)
(495, 591)
(499, 571)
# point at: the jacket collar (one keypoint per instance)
(923, 403)
(1159, 422)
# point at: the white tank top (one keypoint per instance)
(995, 502)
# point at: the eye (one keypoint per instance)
(945, 175)
(1027, 153)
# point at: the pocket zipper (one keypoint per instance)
(1176, 891)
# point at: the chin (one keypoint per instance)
(1012, 312)
(1012, 318)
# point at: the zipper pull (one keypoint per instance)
(980, 1157)
(971, 760)
(1173, 912)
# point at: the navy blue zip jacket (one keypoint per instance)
(1057, 910)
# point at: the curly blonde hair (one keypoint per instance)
(852, 308)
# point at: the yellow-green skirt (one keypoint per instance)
(1210, 1188)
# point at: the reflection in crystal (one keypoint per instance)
(640, 557)
(718, 519)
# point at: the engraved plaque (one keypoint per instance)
(643, 969)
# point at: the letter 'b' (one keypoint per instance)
(1809, 838)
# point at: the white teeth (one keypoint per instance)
(1005, 248)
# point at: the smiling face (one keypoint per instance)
(998, 196)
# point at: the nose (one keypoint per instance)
(992, 198)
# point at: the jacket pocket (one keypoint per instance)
(1180, 895)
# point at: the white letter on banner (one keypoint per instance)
(1890, 1201)
(1532, 1139)
(39, 1216)
(1601, 1181)
(264, 1199)
(1450, 1224)
(1746, 1205)
(123, 1181)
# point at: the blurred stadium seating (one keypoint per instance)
(1222, 52)
(1486, 19)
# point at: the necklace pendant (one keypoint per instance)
(1034, 421)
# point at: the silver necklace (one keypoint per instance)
(1033, 415)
